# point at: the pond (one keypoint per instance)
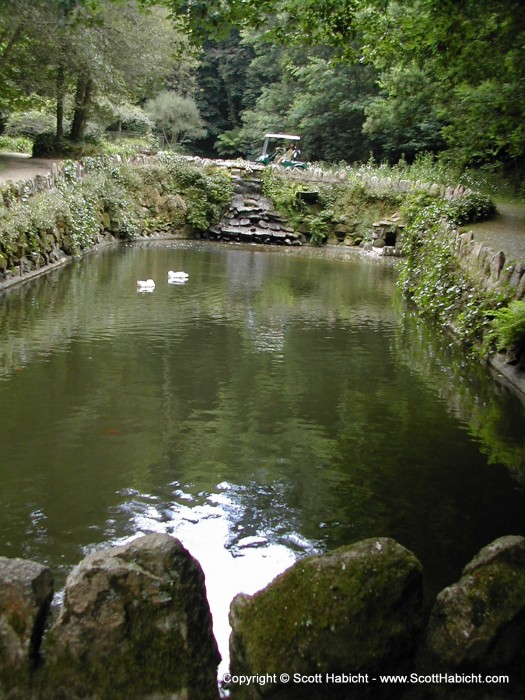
(277, 404)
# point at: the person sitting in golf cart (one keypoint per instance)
(288, 154)
(287, 157)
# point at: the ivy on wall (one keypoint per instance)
(107, 198)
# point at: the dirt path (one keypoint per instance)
(19, 166)
(506, 231)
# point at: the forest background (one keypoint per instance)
(357, 79)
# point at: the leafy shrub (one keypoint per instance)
(177, 118)
(470, 208)
(508, 327)
(432, 277)
(320, 227)
(283, 191)
(128, 147)
(48, 145)
(422, 208)
(16, 144)
(124, 118)
(29, 124)
(231, 143)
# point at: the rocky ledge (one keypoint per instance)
(250, 218)
(135, 623)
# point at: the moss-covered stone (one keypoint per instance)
(478, 623)
(26, 590)
(356, 609)
(135, 623)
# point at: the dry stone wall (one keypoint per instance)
(490, 267)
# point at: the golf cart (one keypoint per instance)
(285, 153)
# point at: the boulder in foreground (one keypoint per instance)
(135, 621)
(26, 591)
(478, 623)
(354, 610)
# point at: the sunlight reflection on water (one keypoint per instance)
(274, 406)
(233, 562)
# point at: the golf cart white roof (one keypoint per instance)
(289, 137)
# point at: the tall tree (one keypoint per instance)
(471, 52)
(26, 41)
(89, 49)
(176, 117)
(123, 50)
(222, 80)
(470, 57)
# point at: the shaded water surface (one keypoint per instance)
(275, 405)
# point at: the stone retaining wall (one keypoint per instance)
(492, 268)
(41, 183)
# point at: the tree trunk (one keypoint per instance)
(82, 105)
(60, 101)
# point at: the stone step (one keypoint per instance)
(253, 233)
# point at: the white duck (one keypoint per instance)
(177, 277)
(145, 285)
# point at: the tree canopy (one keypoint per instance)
(452, 74)
(92, 57)
(352, 76)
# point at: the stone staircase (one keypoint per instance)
(252, 219)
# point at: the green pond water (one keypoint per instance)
(275, 405)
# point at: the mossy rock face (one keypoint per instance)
(26, 590)
(478, 623)
(135, 623)
(356, 609)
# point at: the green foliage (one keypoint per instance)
(470, 57)
(177, 117)
(432, 276)
(507, 327)
(283, 191)
(320, 227)
(29, 123)
(231, 143)
(207, 198)
(451, 74)
(224, 88)
(329, 108)
(126, 117)
(48, 145)
(16, 144)
(112, 196)
(403, 120)
(318, 210)
(299, 90)
(129, 146)
(422, 208)
(470, 208)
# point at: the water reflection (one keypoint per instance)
(242, 536)
(274, 405)
(491, 411)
